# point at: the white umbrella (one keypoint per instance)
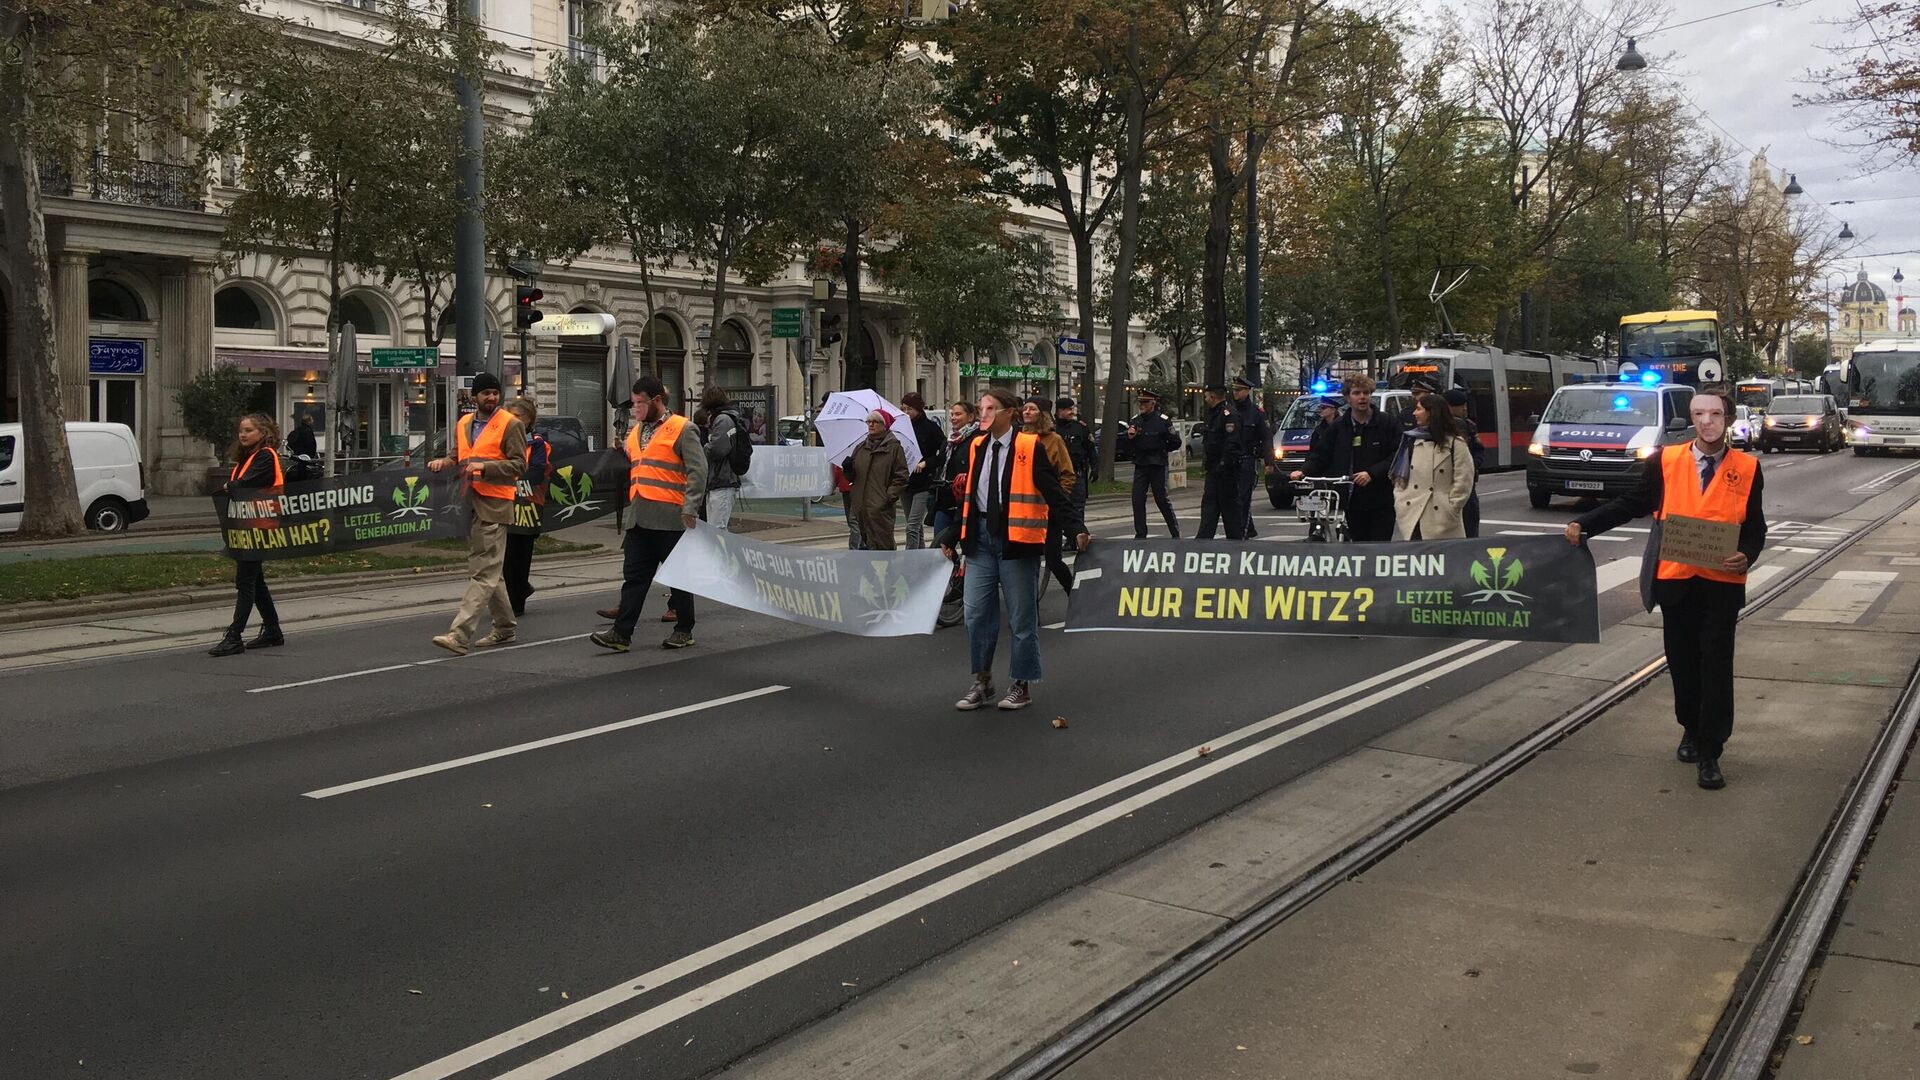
(842, 423)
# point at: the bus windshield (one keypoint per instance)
(1603, 405)
(1663, 341)
(1889, 381)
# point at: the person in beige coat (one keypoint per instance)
(1432, 475)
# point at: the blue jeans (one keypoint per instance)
(988, 577)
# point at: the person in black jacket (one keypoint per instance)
(301, 440)
(256, 475)
(1080, 447)
(1360, 444)
(1699, 606)
(516, 571)
(1154, 437)
(920, 482)
(1457, 404)
(1219, 489)
(1002, 485)
(1247, 449)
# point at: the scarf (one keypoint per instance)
(1402, 466)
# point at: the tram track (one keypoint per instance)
(1751, 1027)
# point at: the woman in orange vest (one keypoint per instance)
(1036, 418)
(1010, 498)
(1699, 605)
(257, 475)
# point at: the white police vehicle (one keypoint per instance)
(1596, 440)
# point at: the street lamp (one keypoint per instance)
(1793, 185)
(1631, 60)
(1846, 231)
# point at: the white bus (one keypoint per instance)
(1506, 391)
(1881, 381)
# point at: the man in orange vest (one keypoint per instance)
(1011, 492)
(1699, 606)
(489, 448)
(666, 482)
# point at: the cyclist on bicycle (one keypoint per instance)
(1360, 444)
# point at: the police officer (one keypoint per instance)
(1249, 438)
(1699, 606)
(1457, 404)
(1154, 437)
(1080, 448)
(1222, 485)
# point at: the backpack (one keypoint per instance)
(740, 447)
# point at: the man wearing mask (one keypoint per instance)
(1153, 437)
(1457, 404)
(1699, 606)
(1011, 497)
(1250, 442)
(1360, 444)
(489, 452)
(1221, 486)
(666, 482)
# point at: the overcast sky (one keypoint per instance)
(1744, 71)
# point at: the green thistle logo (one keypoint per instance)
(411, 499)
(572, 491)
(1486, 576)
(887, 598)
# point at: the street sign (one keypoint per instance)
(578, 324)
(427, 357)
(1073, 346)
(786, 321)
(1006, 371)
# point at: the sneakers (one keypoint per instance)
(611, 639)
(1018, 696)
(495, 636)
(229, 646)
(452, 644)
(977, 695)
(267, 639)
(679, 639)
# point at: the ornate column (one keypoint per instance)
(70, 329)
(179, 465)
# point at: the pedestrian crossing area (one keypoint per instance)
(1885, 480)
(1803, 537)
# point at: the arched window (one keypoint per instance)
(365, 316)
(669, 351)
(735, 356)
(863, 372)
(236, 308)
(663, 334)
(110, 301)
(448, 327)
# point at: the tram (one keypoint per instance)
(1506, 391)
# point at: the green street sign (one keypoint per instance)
(427, 357)
(1006, 371)
(786, 321)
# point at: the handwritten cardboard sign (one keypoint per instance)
(1698, 542)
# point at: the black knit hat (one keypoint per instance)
(486, 380)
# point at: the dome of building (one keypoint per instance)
(1863, 291)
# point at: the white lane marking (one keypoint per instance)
(692, 1001)
(1055, 626)
(1616, 573)
(1885, 479)
(1556, 528)
(417, 663)
(537, 744)
(1760, 575)
(542, 1026)
(1843, 598)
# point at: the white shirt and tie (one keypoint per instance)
(999, 449)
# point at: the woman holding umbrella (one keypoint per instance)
(877, 471)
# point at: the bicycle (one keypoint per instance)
(1321, 502)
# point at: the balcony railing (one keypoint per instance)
(147, 183)
(55, 179)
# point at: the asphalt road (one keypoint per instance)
(214, 889)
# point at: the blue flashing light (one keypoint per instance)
(1622, 403)
(1649, 378)
(1320, 386)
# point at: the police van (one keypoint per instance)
(1596, 440)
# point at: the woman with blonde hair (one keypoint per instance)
(256, 474)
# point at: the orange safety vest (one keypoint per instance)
(658, 472)
(1724, 500)
(1026, 507)
(240, 470)
(487, 449)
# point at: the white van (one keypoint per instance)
(106, 466)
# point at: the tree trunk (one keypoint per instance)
(52, 500)
(711, 365)
(1388, 292)
(856, 341)
(1131, 164)
(1213, 270)
(1083, 297)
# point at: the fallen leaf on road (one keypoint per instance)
(486, 806)
(688, 1043)
(411, 990)
(1059, 722)
(1803, 1040)
(844, 982)
(564, 997)
(1237, 1046)
(544, 989)
(826, 748)
(1205, 750)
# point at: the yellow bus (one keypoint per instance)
(1670, 346)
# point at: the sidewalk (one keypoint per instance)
(1593, 913)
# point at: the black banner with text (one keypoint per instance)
(1510, 588)
(401, 505)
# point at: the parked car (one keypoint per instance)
(107, 469)
(1803, 422)
(566, 437)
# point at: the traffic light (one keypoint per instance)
(524, 313)
(829, 330)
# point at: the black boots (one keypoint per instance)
(1687, 753)
(268, 637)
(1710, 776)
(229, 645)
